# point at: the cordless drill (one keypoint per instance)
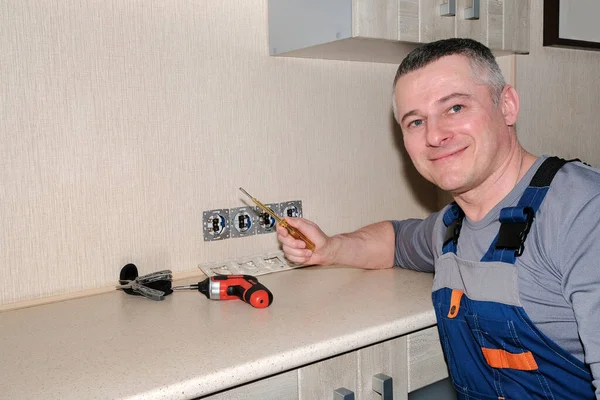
(229, 287)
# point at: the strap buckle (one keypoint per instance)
(453, 231)
(515, 225)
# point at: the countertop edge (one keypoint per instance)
(270, 366)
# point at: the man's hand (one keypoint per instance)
(295, 250)
(371, 247)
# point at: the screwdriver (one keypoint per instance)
(295, 233)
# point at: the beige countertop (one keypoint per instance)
(115, 346)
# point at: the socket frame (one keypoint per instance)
(261, 227)
(293, 206)
(235, 213)
(209, 224)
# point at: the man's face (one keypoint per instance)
(453, 132)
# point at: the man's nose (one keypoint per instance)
(437, 133)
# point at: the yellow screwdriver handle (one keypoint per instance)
(296, 234)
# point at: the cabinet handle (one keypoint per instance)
(382, 384)
(448, 9)
(472, 12)
(343, 394)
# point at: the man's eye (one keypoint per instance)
(415, 123)
(456, 108)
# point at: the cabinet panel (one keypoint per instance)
(495, 23)
(516, 25)
(375, 19)
(433, 25)
(319, 380)
(295, 24)
(476, 29)
(408, 20)
(279, 387)
(388, 358)
(426, 362)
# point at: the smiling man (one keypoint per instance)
(517, 279)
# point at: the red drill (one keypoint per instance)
(229, 287)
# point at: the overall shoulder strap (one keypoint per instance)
(453, 218)
(516, 221)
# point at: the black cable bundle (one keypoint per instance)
(130, 272)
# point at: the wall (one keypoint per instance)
(121, 121)
(560, 96)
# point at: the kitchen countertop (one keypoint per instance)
(116, 346)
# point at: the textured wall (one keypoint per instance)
(121, 121)
(560, 97)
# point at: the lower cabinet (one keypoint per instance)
(412, 361)
(355, 372)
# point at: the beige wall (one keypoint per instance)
(560, 98)
(121, 121)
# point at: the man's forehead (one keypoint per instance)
(434, 90)
(434, 84)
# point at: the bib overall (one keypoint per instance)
(493, 349)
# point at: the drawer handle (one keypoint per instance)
(382, 384)
(472, 12)
(448, 9)
(343, 394)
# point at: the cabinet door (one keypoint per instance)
(319, 380)
(388, 358)
(476, 29)
(516, 25)
(426, 363)
(408, 20)
(434, 26)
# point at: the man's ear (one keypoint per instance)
(509, 101)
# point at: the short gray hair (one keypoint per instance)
(483, 64)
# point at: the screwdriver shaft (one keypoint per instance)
(185, 287)
(294, 232)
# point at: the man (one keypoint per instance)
(516, 256)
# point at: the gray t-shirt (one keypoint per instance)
(559, 271)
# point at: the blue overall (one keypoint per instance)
(493, 349)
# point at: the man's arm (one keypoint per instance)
(415, 246)
(370, 247)
(581, 281)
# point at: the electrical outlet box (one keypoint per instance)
(216, 224)
(243, 222)
(265, 222)
(291, 208)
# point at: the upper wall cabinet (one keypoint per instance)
(386, 30)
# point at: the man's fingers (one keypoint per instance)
(282, 232)
(296, 252)
(286, 239)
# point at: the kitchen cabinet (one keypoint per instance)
(412, 361)
(355, 371)
(386, 30)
